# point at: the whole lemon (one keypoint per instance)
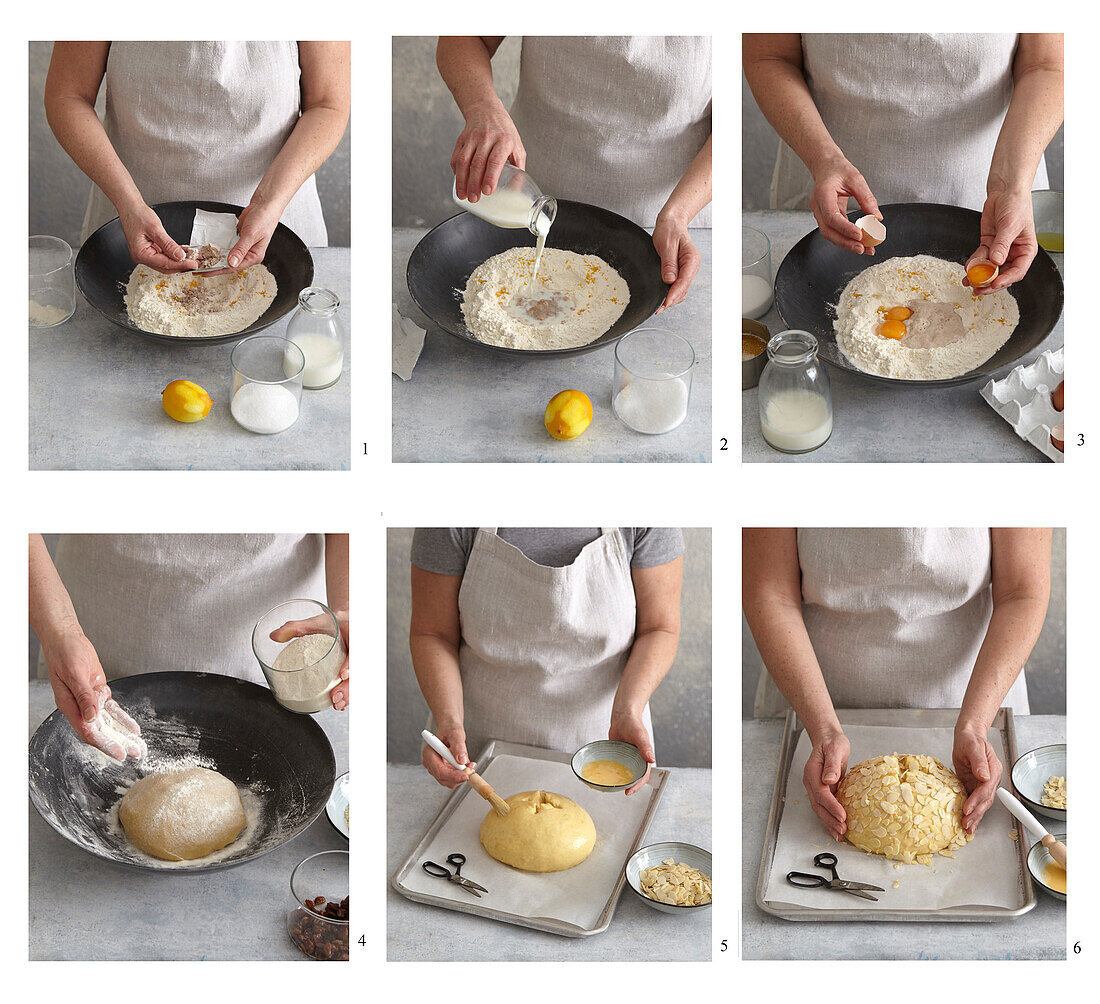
(186, 401)
(568, 414)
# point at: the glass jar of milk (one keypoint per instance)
(317, 330)
(796, 405)
(516, 202)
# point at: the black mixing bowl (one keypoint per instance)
(103, 268)
(811, 278)
(442, 262)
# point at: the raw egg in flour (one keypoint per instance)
(892, 329)
(898, 314)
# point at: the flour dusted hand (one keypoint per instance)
(193, 306)
(115, 733)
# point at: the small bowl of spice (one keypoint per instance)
(318, 918)
(754, 357)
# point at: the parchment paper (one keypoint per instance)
(219, 229)
(576, 895)
(986, 872)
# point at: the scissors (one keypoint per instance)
(805, 880)
(457, 860)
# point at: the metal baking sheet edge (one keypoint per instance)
(658, 779)
(1003, 722)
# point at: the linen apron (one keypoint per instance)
(896, 616)
(204, 120)
(543, 649)
(150, 603)
(614, 121)
(917, 114)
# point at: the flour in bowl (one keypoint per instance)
(194, 306)
(913, 319)
(306, 671)
(573, 300)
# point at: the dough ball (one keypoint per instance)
(905, 806)
(183, 815)
(544, 832)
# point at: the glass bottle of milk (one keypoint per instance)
(796, 404)
(516, 202)
(317, 330)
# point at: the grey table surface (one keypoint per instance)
(418, 932)
(466, 404)
(95, 390)
(85, 908)
(1038, 934)
(874, 422)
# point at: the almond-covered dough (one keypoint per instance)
(544, 832)
(183, 815)
(905, 806)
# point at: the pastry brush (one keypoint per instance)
(477, 782)
(1055, 848)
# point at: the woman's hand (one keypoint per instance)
(679, 258)
(149, 243)
(834, 183)
(341, 693)
(824, 771)
(628, 728)
(488, 142)
(254, 229)
(1008, 237)
(977, 766)
(83, 697)
(454, 738)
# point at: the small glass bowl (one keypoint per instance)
(267, 383)
(1048, 210)
(51, 288)
(653, 371)
(303, 691)
(325, 875)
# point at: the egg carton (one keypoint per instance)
(1023, 400)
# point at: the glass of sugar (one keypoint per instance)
(652, 388)
(52, 286)
(302, 662)
(267, 383)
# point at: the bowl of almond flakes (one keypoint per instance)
(671, 876)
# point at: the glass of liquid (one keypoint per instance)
(756, 273)
(516, 202)
(796, 404)
(1047, 207)
(52, 286)
(317, 330)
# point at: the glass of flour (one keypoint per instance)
(52, 287)
(303, 665)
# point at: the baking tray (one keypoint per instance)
(932, 718)
(657, 780)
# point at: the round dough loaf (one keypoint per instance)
(544, 832)
(183, 815)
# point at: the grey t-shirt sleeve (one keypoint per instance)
(442, 549)
(656, 545)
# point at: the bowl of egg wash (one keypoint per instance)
(609, 764)
(1047, 873)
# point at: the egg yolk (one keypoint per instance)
(898, 314)
(892, 329)
(979, 275)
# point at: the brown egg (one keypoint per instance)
(1058, 438)
(1057, 396)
